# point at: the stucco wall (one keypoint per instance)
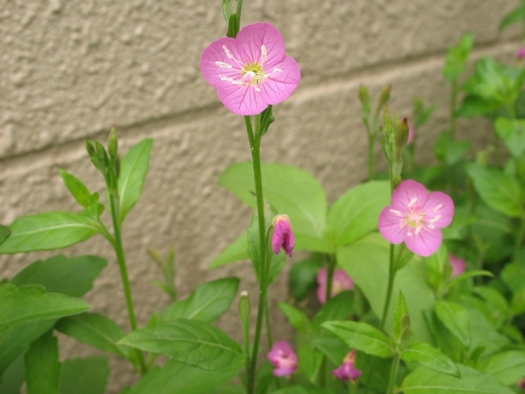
(71, 69)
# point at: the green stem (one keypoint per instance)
(452, 109)
(255, 143)
(371, 139)
(519, 238)
(119, 251)
(393, 374)
(391, 277)
(329, 277)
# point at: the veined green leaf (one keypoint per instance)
(42, 368)
(430, 357)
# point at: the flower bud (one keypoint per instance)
(401, 137)
(113, 144)
(364, 97)
(282, 235)
(384, 97)
(347, 371)
(283, 359)
(245, 309)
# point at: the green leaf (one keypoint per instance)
(497, 304)
(78, 190)
(455, 317)
(473, 106)
(207, 303)
(309, 358)
(430, 357)
(15, 340)
(296, 317)
(457, 57)
(355, 213)
(366, 262)
(362, 336)
(95, 330)
(507, 366)
(266, 119)
(42, 368)
(133, 169)
(290, 191)
(497, 190)
(401, 320)
(276, 265)
(512, 133)
(339, 307)
(11, 381)
(512, 275)
(31, 303)
(174, 377)
(302, 276)
(84, 375)
(437, 266)
(47, 231)
(254, 247)
(517, 15)
(468, 274)
(191, 342)
(450, 151)
(72, 276)
(233, 26)
(428, 381)
(4, 233)
(236, 251)
(332, 347)
(227, 10)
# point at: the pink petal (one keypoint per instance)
(214, 62)
(342, 278)
(425, 243)
(254, 36)
(407, 192)
(281, 82)
(241, 100)
(438, 205)
(389, 226)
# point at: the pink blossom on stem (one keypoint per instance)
(458, 265)
(250, 71)
(340, 282)
(347, 371)
(283, 359)
(520, 53)
(416, 217)
(282, 235)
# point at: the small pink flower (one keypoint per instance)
(458, 265)
(283, 358)
(520, 53)
(340, 282)
(282, 235)
(251, 71)
(347, 371)
(521, 384)
(416, 217)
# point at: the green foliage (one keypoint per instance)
(517, 15)
(78, 190)
(95, 330)
(206, 303)
(302, 276)
(427, 381)
(4, 233)
(457, 57)
(133, 169)
(42, 368)
(513, 135)
(507, 366)
(47, 231)
(31, 303)
(72, 276)
(450, 151)
(190, 342)
(236, 251)
(430, 357)
(84, 375)
(456, 319)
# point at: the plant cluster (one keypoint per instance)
(417, 291)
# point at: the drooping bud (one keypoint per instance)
(401, 137)
(383, 98)
(282, 235)
(95, 159)
(283, 359)
(347, 371)
(364, 97)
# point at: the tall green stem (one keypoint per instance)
(393, 374)
(390, 286)
(255, 143)
(119, 251)
(371, 157)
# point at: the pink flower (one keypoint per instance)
(282, 235)
(410, 134)
(458, 265)
(251, 71)
(520, 53)
(283, 358)
(340, 282)
(347, 371)
(416, 217)
(521, 384)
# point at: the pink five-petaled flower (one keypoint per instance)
(347, 371)
(251, 71)
(282, 235)
(340, 282)
(458, 265)
(416, 217)
(520, 53)
(283, 358)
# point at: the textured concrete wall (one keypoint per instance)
(72, 69)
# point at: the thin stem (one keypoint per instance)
(391, 277)
(119, 251)
(329, 277)
(393, 374)
(255, 139)
(268, 325)
(371, 157)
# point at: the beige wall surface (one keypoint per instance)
(71, 69)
